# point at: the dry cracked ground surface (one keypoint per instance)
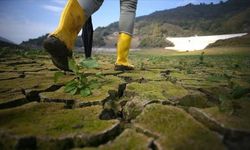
(173, 102)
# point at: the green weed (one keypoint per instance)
(81, 84)
(226, 105)
(239, 92)
(202, 58)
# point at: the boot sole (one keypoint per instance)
(58, 51)
(123, 68)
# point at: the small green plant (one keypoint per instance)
(228, 75)
(239, 92)
(171, 78)
(226, 105)
(202, 58)
(236, 66)
(81, 84)
(142, 66)
(189, 71)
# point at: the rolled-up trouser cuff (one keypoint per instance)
(90, 6)
(126, 23)
(127, 16)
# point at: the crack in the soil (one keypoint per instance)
(233, 140)
(20, 76)
(14, 103)
(169, 102)
(121, 89)
(210, 96)
(153, 146)
(21, 63)
(145, 132)
(140, 80)
(64, 143)
(30, 96)
(33, 95)
(99, 140)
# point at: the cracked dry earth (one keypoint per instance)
(167, 103)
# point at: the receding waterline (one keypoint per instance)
(198, 42)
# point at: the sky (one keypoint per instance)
(21, 20)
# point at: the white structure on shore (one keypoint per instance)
(198, 42)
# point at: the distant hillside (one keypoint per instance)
(226, 17)
(2, 39)
(151, 30)
(243, 41)
(8, 47)
(35, 43)
(7, 43)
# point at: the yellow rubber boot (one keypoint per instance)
(71, 22)
(60, 43)
(123, 47)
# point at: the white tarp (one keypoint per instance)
(198, 42)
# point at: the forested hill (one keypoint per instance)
(7, 43)
(231, 16)
(151, 30)
(226, 17)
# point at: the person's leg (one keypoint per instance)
(61, 42)
(87, 37)
(126, 26)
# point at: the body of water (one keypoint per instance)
(198, 42)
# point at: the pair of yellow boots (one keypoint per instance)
(61, 42)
